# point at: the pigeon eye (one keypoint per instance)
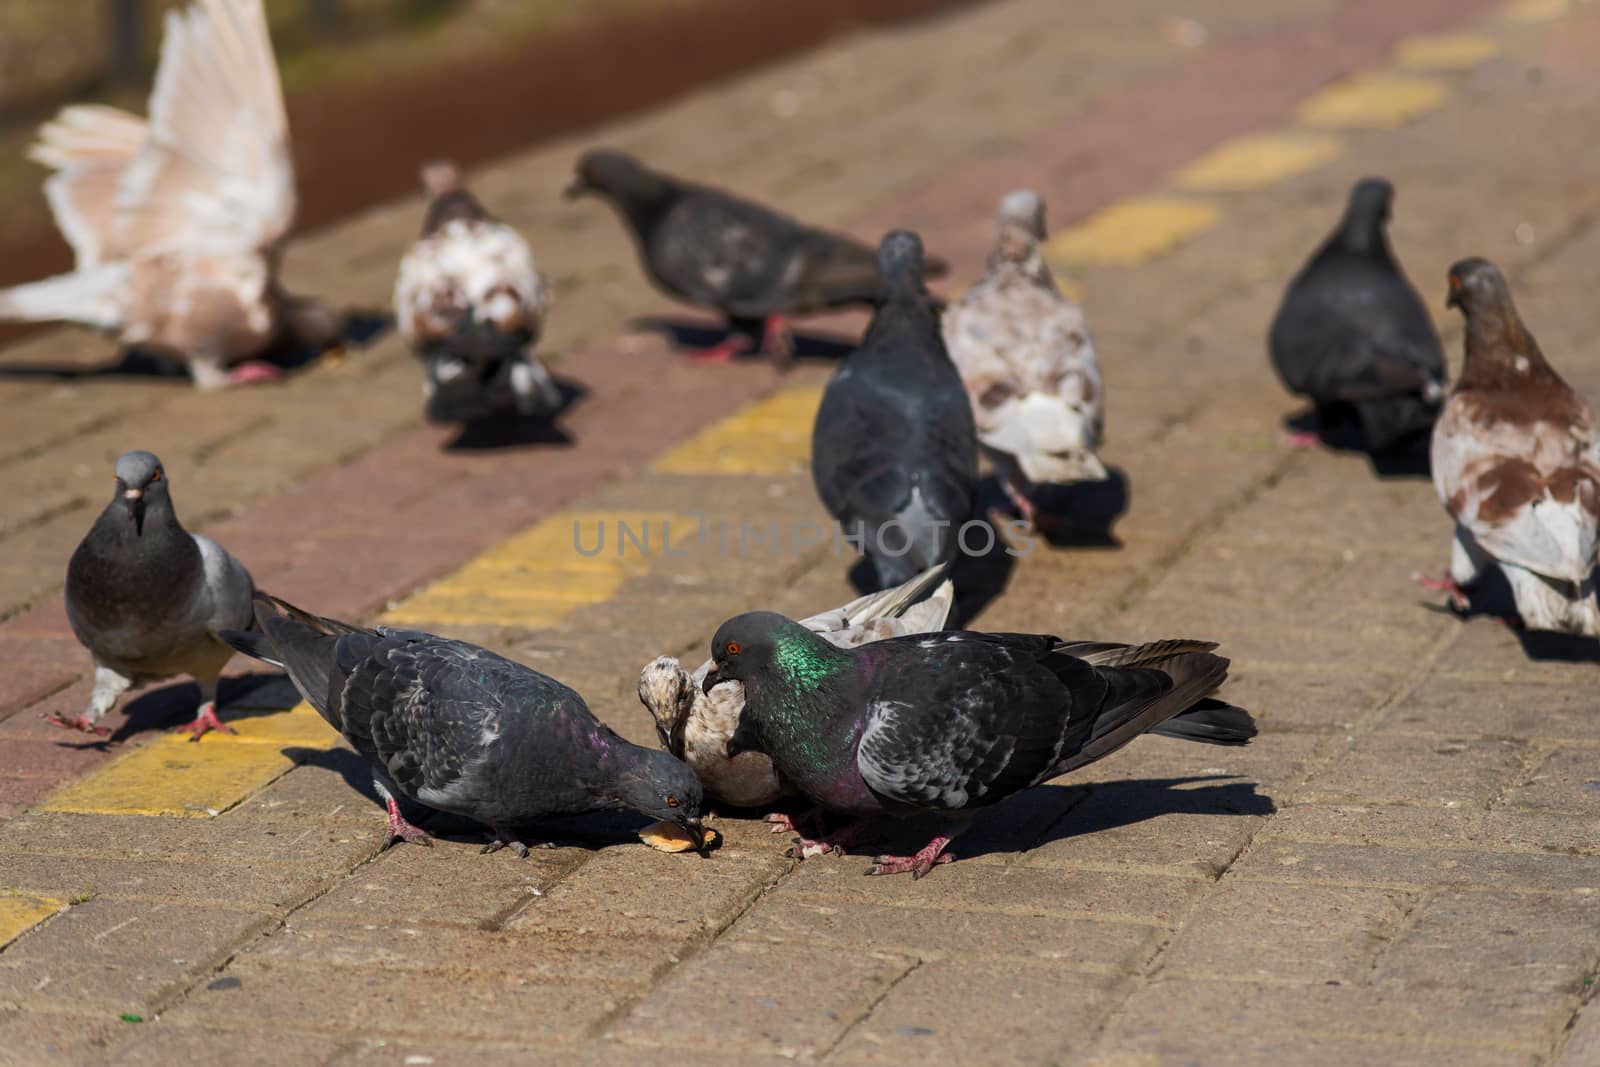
(672, 801)
(156, 477)
(733, 648)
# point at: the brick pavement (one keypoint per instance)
(1402, 869)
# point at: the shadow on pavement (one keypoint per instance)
(1407, 459)
(509, 431)
(693, 335)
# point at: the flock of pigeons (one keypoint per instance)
(868, 710)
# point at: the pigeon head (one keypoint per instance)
(141, 483)
(1500, 350)
(661, 786)
(617, 176)
(1476, 285)
(1366, 215)
(1021, 226)
(667, 692)
(900, 262)
(761, 644)
(448, 197)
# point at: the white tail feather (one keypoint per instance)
(89, 298)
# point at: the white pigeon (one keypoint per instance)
(471, 302)
(1516, 462)
(695, 726)
(177, 222)
(1028, 363)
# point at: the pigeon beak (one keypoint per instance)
(135, 499)
(713, 679)
(133, 494)
(696, 831)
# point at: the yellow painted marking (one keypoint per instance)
(1445, 51)
(1255, 160)
(21, 912)
(174, 776)
(537, 578)
(1534, 10)
(769, 437)
(1373, 101)
(300, 726)
(1131, 231)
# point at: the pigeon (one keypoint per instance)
(145, 597)
(1352, 334)
(709, 248)
(1028, 363)
(1517, 465)
(456, 728)
(695, 725)
(472, 304)
(894, 451)
(176, 224)
(954, 721)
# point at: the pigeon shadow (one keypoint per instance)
(1491, 598)
(244, 696)
(1540, 645)
(507, 431)
(697, 335)
(1114, 804)
(1407, 458)
(1080, 514)
(359, 330)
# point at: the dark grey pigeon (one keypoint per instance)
(145, 597)
(1353, 336)
(457, 728)
(715, 250)
(894, 451)
(952, 722)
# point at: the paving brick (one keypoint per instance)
(789, 999)
(448, 882)
(1385, 768)
(633, 891)
(223, 840)
(1335, 864)
(1029, 1013)
(1249, 931)
(1566, 779)
(48, 1039)
(158, 1044)
(1326, 701)
(1113, 946)
(1500, 708)
(1138, 827)
(351, 1000)
(1147, 1048)
(1488, 831)
(96, 955)
(241, 884)
(1494, 941)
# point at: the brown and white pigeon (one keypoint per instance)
(146, 597)
(177, 222)
(695, 725)
(715, 250)
(1517, 464)
(472, 304)
(1028, 362)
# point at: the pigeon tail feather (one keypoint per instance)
(1194, 672)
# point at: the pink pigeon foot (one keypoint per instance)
(794, 824)
(835, 843)
(1301, 438)
(253, 372)
(736, 345)
(1020, 501)
(927, 858)
(400, 830)
(205, 721)
(77, 722)
(1445, 584)
(777, 342)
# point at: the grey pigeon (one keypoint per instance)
(1353, 337)
(1516, 463)
(459, 729)
(145, 596)
(695, 725)
(1028, 363)
(471, 302)
(894, 451)
(955, 721)
(715, 250)
(177, 223)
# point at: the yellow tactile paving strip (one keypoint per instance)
(1257, 159)
(1374, 101)
(1535, 10)
(1445, 51)
(21, 912)
(772, 436)
(1130, 231)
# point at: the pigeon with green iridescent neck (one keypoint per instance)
(953, 722)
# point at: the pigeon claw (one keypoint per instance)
(1301, 439)
(205, 721)
(1445, 584)
(400, 830)
(783, 823)
(735, 345)
(253, 372)
(777, 342)
(926, 859)
(81, 723)
(835, 843)
(500, 839)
